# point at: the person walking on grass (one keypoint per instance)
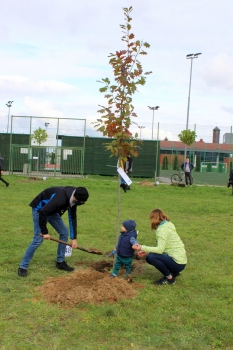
(48, 207)
(168, 256)
(1, 170)
(187, 167)
(124, 248)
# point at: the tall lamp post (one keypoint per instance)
(190, 56)
(140, 128)
(46, 125)
(153, 109)
(46, 154)
(9, 104)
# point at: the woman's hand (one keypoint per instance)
(136, 247)
(142, 254)
(47, 236)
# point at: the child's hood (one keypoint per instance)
(129, 225)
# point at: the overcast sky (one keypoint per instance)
(53, 53)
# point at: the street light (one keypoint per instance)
(46, 125)
(153, 109)
(190, 56)
(140, 128)
(9, 104)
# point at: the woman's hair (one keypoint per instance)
(156, 217)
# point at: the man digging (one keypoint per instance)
(48, 207)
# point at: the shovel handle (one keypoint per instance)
(66, 243)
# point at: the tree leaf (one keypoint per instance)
(103, 89)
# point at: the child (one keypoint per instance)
(124, 248)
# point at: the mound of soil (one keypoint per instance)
(90, 285)
(146, 183)
(106, 265)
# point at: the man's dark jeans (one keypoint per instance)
(188, 178)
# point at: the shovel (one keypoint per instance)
(91, 250)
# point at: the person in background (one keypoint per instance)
(124, 249)
(128, 168)
(168, 255)
(48, 207)
(187, 167)
(230, 181)
(1, 170)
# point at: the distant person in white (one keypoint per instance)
(187, 167)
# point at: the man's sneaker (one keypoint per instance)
(63, 266)
(7, 184)
(112, 275)
(165, 280)
(22, 272)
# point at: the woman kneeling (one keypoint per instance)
(168, 256)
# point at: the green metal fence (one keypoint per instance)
(47, 161)
(211, 153)
(72, 159)
(99, 161)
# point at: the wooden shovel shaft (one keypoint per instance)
(66, 243)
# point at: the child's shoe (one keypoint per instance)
(128, 278)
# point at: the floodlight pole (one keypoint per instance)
(190, 56)
(46, 125)
(153, 109)
(140, 128)
(157, 155)
(8, 104)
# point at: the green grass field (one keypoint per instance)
(195, 313)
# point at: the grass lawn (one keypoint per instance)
(195, 313)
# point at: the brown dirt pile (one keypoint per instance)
(146, 183)
(87, 286)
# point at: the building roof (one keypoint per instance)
(197, 145)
